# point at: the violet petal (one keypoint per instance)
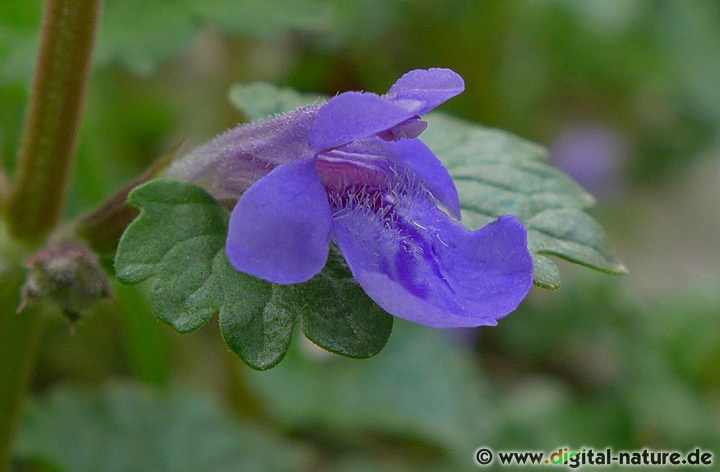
(376, 162)
(418, 264)
(431, 87)
(279, 229)
(414, 155)
(355, 115)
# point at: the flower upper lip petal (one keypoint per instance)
(356, 115)
(414, 155)
(415, 107)
(430, 87)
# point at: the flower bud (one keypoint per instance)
(68, 275)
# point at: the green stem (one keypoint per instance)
(19, 338)
(4, 190)
(49, 136)
(36, 199)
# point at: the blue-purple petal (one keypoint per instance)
(414, 155)
(418, 264)
(376, 162)
(492, 267)
(356, 115)
(431, 87)
(280, 228)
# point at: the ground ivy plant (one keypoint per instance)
(334, 214)
(181, 235)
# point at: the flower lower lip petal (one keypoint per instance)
(418, 264)
(279, 229)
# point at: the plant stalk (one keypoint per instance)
(19, 337)
(49, 138)
(36, 198)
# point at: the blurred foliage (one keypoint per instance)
(625, 363)
(126, 427)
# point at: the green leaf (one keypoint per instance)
(254, 325)
(126, 427)
(336, 314)
(572, 235)
(546, 274)
(496, 173)
(179, 238)
(178, 221)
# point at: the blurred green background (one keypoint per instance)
(625, 95)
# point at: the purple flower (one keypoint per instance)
(594, 155)
(353, 172)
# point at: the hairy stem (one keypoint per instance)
(36, 199)
(52, 119)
